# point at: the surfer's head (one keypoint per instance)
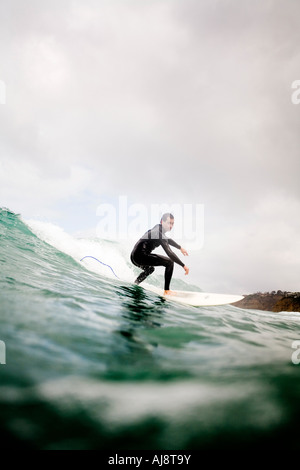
(167, 221)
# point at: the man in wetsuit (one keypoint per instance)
(142, 256)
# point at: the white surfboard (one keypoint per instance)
(196, 299)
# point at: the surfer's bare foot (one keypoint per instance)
(169, 292)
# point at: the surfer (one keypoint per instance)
(142, 257)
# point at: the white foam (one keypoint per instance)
(113, 254)
(121, 404)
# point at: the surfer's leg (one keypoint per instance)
(141, 262)
(158, 260)
(168, 274)
(147, 270)
(148, 261)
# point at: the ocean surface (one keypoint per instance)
(91, 361)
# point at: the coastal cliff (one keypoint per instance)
(272, 301)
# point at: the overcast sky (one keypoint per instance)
(164, 102)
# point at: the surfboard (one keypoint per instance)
(196, 299)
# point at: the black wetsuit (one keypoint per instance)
(142, 255)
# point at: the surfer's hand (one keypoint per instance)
(186, 270)
(184, 252)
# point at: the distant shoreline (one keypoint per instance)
(275, 301)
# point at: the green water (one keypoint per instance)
(95, 362)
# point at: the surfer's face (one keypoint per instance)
(167, 224)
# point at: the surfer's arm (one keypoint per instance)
(173, 243)
(170, 253)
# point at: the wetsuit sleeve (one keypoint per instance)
(170, 253)
(172, 243)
